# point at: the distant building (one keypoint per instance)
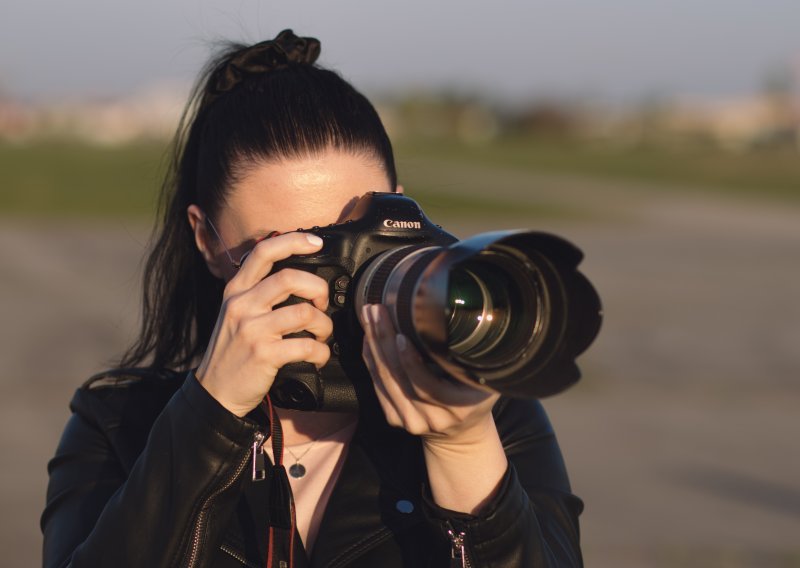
(151, 114)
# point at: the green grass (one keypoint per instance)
(773, 174)
(73, 179)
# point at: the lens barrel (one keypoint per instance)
(507, 311)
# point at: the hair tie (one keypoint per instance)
(285, 50)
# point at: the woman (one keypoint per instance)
(161, 467)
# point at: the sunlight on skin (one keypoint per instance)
(285, 195)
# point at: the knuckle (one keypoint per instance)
(327, 327)
(229, 290)
(311, 353)
(282, 278)
(262, 248)
(257, 254)
(321, 285)
(305, 312)
(318, 351)
(303, 347)
(414, 427)
(317, 348)
(255, 350)
(234, 308)
(438, 423)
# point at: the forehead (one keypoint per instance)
(299, 192)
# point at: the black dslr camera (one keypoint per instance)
(506, 311)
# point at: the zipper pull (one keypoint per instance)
(259, 465)
(457, 547)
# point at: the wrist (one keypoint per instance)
(476, 434)
(465, 470)
(215, 393)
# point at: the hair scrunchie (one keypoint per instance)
(286, 49)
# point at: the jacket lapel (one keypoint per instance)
(382, 469)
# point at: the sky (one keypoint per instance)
(607, 49)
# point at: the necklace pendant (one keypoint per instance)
(297, 471)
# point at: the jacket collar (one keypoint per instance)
(378, 494)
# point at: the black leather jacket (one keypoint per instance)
(152, 471)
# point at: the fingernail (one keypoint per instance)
(375, 313)
(402, 343)
(365, 313)
(314, 239)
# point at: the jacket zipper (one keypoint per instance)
(458, 547)
(236, 555)
(259, 464)
(258, 441)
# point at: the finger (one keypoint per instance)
(388, 371)
(435, 388)
(273, 290)
(297, 350)
(424, 385)
(379, 336)
(300, 317)
(432, 388)
(266, 253)
(388, 407)
(277, 288)
(382, 340)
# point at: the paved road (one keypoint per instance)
(682, 437)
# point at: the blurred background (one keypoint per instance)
(661, 137)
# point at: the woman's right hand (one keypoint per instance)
(247, 346)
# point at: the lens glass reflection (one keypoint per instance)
(479, 304)
(467, 305)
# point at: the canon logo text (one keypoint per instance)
(402, 224)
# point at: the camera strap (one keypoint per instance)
(282, 521)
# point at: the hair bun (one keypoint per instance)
(286, 49)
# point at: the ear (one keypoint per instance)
(398, 189)
(204, 240)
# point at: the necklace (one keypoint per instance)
(298, 470)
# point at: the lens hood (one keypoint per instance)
(550, 311)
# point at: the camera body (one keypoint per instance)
(379, 222)
(504, 311)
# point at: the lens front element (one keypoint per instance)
(479, 308)
(496, 305)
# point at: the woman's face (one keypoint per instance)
(283, 196)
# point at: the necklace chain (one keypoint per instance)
(298, 470)
(296, 458)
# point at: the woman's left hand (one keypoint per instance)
(463, 452)
(411, 396)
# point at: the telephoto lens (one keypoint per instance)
(506, 311)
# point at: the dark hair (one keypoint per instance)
(250, 104)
